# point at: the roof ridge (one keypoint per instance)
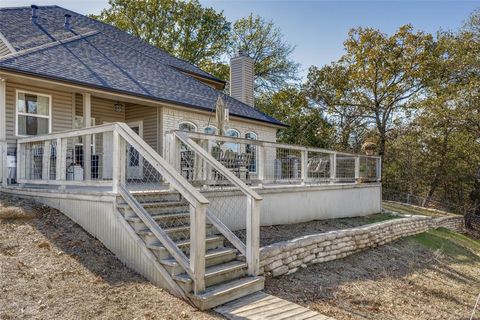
(48, 45)
(210, 76)
(29, 7)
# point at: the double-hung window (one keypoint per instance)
(34, 114)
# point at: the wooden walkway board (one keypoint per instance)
(260, 305)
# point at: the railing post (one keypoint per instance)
(62, 145)
(46, 160)
(3, 132)
(261, 163)
(208, 168)
(87, 139)
(197, 245)
(357, 169)
(253, 235)
(58, 161)
(333, 167)
(123, 161)
(20, 161)
(379, 169)
(116, 162)
(304, 160)
(4, 163)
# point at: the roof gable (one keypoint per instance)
(96, 54)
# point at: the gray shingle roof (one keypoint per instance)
(96, 54)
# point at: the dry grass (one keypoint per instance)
(435, 275)
(50, 268)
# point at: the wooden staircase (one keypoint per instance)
(226, 276)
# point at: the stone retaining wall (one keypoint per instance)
(288, 256)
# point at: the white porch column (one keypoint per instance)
(3, 132)
(87, 141)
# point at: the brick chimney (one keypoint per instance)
(241, 78)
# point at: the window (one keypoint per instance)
(210, 130)
(187, 126)
(33, 114)
(235, 147)
(252, 149)
(78, 141)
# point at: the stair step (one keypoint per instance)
(212, 257)
(161, 209)
(215, 274)
(147, 205)
(226, 292)
(175, 233)
(211, 242)
(160, 217)
(153, 196)
(165, 207)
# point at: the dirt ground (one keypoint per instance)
(272, 234)
(435, 275)
(50, 268)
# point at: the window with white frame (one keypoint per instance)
(252, 149)
(235, 147)
(34, 113)
(210, 130)
(187, 126)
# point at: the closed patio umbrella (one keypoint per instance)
(221, 112)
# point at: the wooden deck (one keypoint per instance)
(261, 305)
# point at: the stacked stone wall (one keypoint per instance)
(288, 256)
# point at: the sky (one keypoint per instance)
(318, 28)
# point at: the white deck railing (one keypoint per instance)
(119, 158)
(269, 163)
(228, 195)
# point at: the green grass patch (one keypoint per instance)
(450, 243)
(406, 209)
(379, 217)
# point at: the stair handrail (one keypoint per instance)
(189, 192)
(195, 266)
(252, 247)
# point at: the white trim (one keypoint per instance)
(17, 113)
(139, 124)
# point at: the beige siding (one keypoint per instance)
(173, 117)
(62, 106)
(149, 117)
(103, 110)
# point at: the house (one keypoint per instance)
(148, 154)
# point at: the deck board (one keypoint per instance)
(261, 305)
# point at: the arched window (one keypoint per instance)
(210, 130)
(251, 135)
(235, 147)
(251, 149)
(187, 126)
(232, 133)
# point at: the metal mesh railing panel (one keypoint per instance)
(318, 167)
(345, 168)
